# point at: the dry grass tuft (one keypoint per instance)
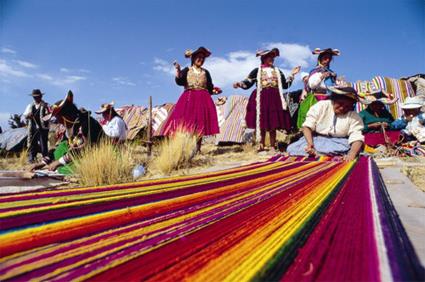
(105, 164)
(174, 153)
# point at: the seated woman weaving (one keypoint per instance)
(378, 129)
(332, 127)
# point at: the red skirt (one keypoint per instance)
(272, 115)
(195, 113)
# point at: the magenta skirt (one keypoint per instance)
(194, 112)
(374, 139)
(272, 115)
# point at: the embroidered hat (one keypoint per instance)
(345, 91)
(105, 107)
(382, 96)
(412, 103)
(189, 53)
(275, 52)
(333, 52)
(36, 93)
(58, 106)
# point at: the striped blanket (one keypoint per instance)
(289, 219)
(231, 118)
(159, 116)
(401, 89)
(133, 118)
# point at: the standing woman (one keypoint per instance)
(195, 110)
(267, 111)
(318, 81)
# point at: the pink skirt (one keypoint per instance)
(272, 115)
(195, 113)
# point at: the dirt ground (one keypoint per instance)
(215, 158)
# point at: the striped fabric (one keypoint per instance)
(401, 89)
(232, 117)
(159, 116)
(133, 118)
(289, 219)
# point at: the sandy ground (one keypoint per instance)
(409, 202)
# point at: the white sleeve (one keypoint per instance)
(313, 116)
(112, 129)
(315, 80)
(27, 110)
(355, 130)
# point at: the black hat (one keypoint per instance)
(36, 93)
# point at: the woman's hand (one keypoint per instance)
(349, 157)
(54, 165)
(237, 85)
(309, 149)
(217, 90)
(177, 67)
(295, 70)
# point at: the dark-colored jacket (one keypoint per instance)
(182, 80)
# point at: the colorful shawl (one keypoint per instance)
(288, 219)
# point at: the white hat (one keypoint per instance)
(412, 103)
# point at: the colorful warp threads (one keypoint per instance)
(285, 219)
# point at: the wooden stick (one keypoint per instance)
(150, 127)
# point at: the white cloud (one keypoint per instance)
(236, 65)
(4, 117)
(26, 64)
(84, 70)
(123, 81)
(8, 70)
(293, 54)
(64, 70)
(164, 66)
(69, 79)
(8, 50)
(44, 76)
(60, 81)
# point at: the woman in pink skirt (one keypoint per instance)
(195, 110)
(272, 107)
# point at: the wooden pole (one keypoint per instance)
(150, 127)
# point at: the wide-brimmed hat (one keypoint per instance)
(105, 107)
(412, 103)
(333, 52)
(344, 91)
(382, 96)
(61, 104)
(36, 93)
(189, 53)
(261, 53)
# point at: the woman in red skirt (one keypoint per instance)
(195, 110)
(272, 107)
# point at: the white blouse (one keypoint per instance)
(116, 128)
(321, 119)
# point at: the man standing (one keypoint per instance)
(38, 130)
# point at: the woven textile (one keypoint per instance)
(401, 89)
(133, 118)
(287, 219)
(232, 125)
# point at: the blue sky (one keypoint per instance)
(123, 50)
